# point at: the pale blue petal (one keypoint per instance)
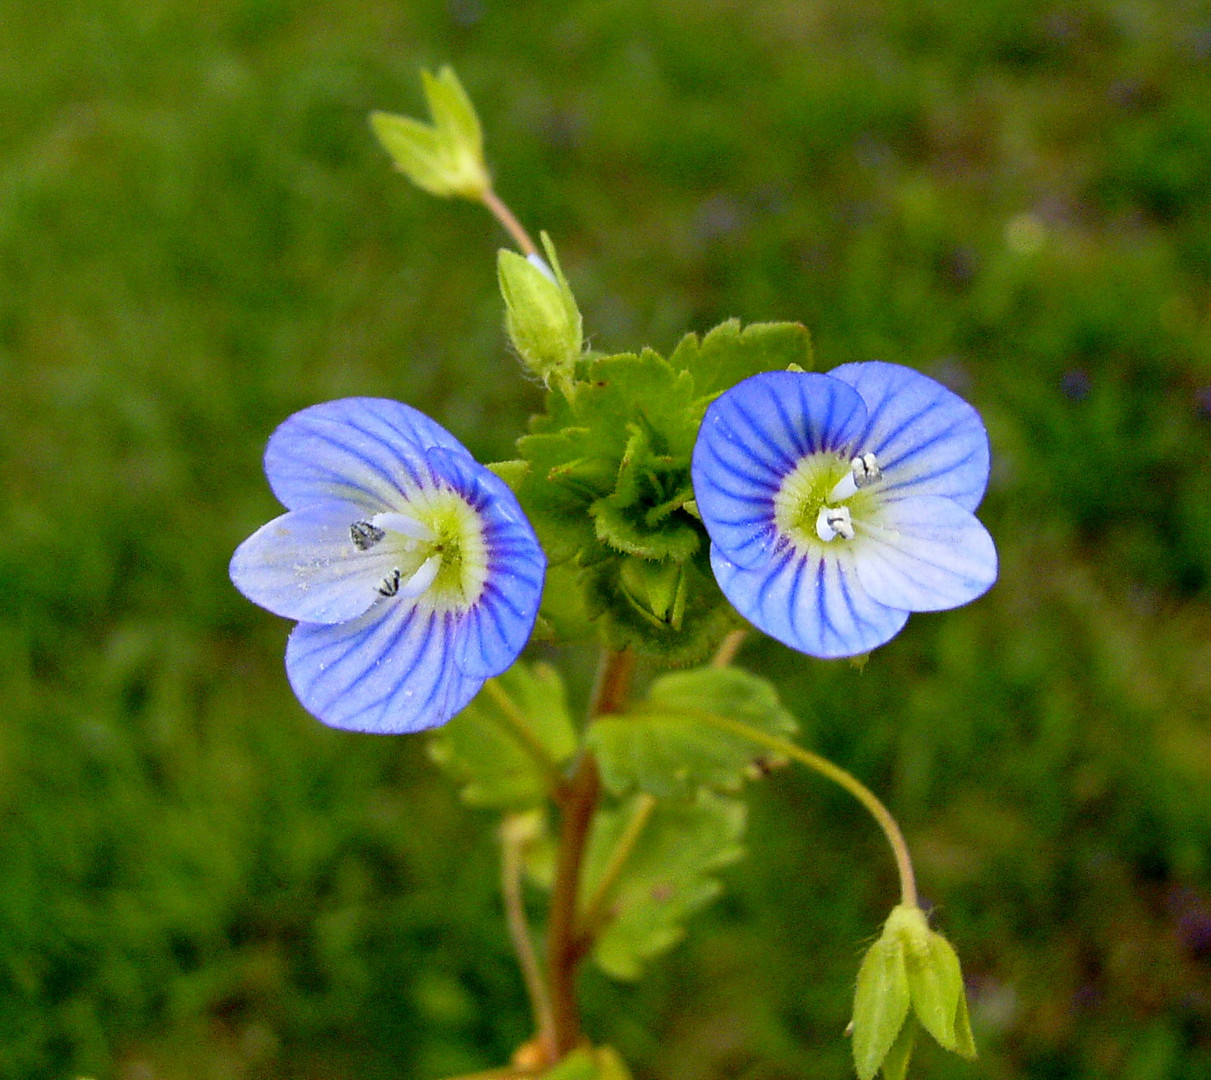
(366, 450)
(751, 438)
(810, 602)
(928, 440)
(924, 554)
(304, 565)
(389, 672)
(498, 625)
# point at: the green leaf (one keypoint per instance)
(895, 1064)
(578, 1065)
(880, 1004)
(666, 745)
(506, 747)
(727, 354)
(511, 472)
(666, 878)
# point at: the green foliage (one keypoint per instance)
(590, 1063)
(609, 485)
(666, 744)
(667, 876)
(506, 748)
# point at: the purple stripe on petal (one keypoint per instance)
(928, 440)
(925, 554)
(809, 603)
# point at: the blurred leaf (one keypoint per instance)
(504, 749)
(728, 354)
(880, 1004)
(666, 878)
(664, 746)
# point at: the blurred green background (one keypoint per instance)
(198, 236)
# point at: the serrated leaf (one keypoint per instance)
(881, 1003)
(728, 354)
(511, 472)
(505, 748)
(666, 745)
(895, 1064)
(666, 878)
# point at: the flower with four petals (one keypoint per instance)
(411, 569)
(837, 504)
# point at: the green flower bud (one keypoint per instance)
(446, 157)
(541, 315)
(909, 967)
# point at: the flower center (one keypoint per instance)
(819, 500)
(439, 549)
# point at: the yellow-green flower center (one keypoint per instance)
(819, 501)
(440, 556)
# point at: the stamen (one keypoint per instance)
(404, 524)
(364, 535)
(419, 582)
(834, 521)
(863, 471)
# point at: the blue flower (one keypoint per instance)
(837, 504)
(411, 568)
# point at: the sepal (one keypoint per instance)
(909, 976)
(445, 157)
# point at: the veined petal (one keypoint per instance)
(928, 440)
(752, 437)
(813, 603)
(924, 554)
(365, 450)
(304, 565)
(388, 672)
(498, 624)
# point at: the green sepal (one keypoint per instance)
(511, 472)
(895, 1064)
(506, 747)
(728, 354)
(881, 1003)
(666, 745)
(445, 157)
(541, 316)
(666, 878)
(935, 981)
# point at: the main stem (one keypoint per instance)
(566, 945)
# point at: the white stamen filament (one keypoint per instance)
(419, 582)
(863, 471)
(834, 521)
(404, 525)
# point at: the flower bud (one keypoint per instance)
(541, 315)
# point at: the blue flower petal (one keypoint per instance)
(812, 603)
(925, 554)
(928, 440)
(304, 565)
(751, 438)
(364, 450)
(388, 672)
(498, 625)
